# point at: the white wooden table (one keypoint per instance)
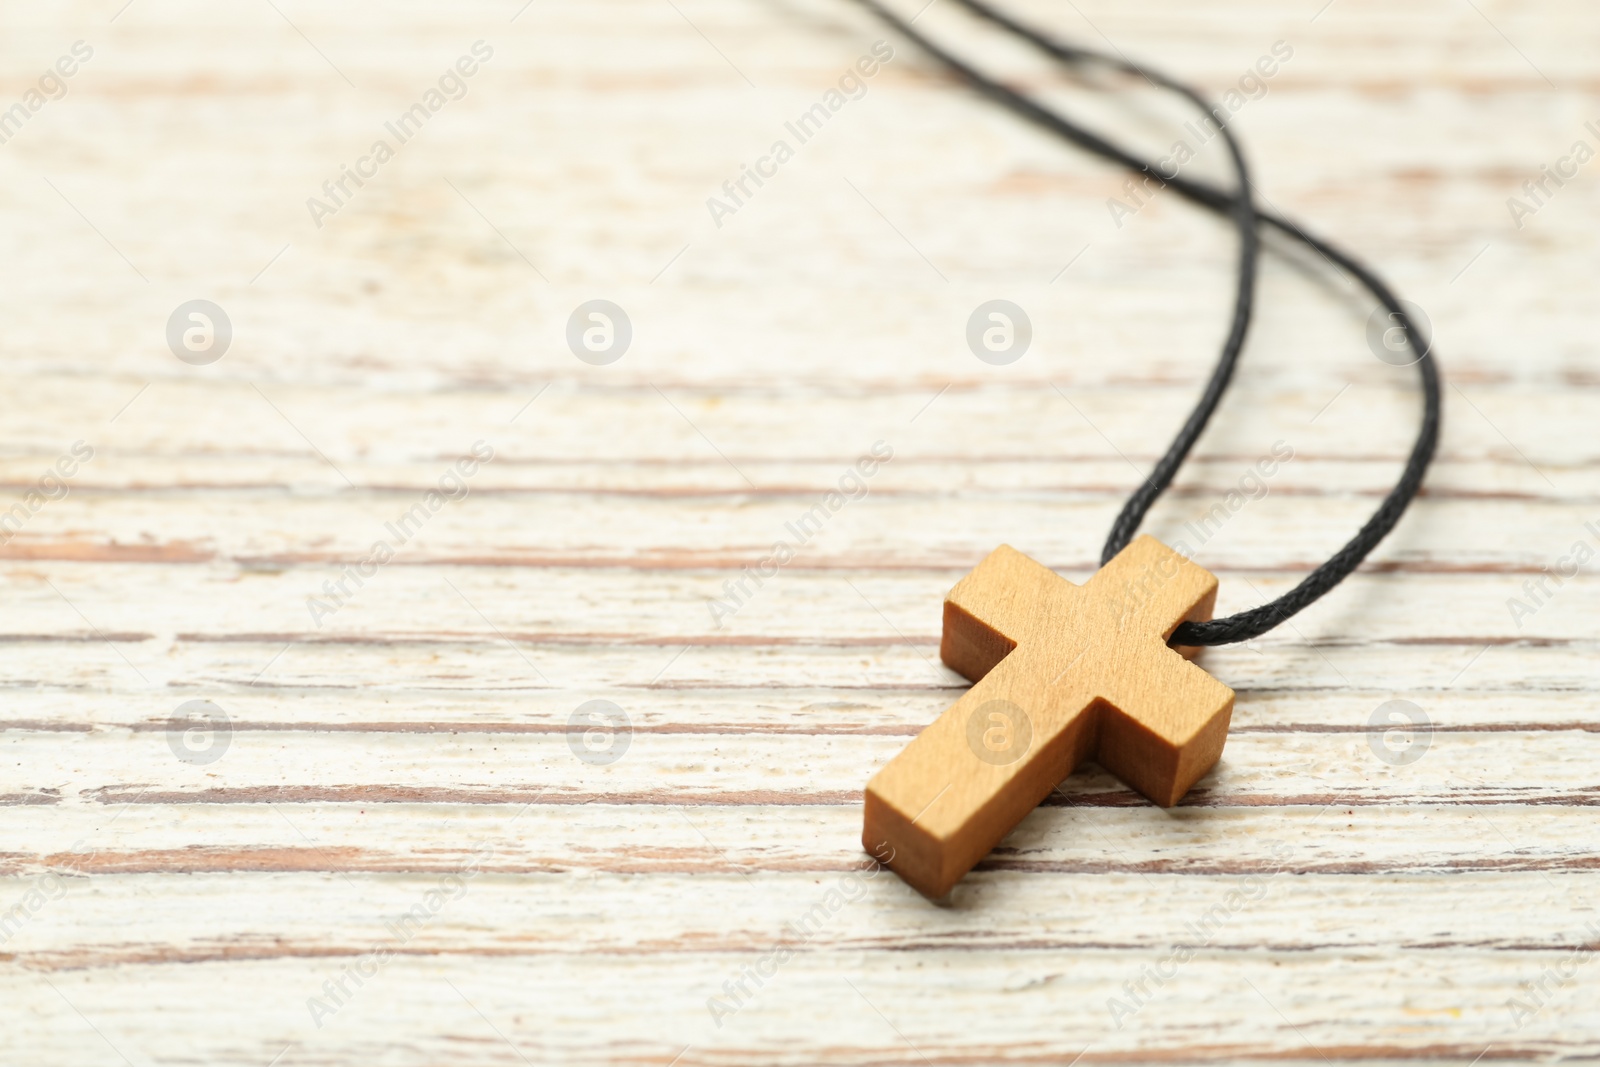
(236, 897)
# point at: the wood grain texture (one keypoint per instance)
(398, 810)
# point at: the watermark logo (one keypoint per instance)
(1540, 590)
(51, 85)
(852, 85)
(53, 484)
(1399, 732)
(1538, 191)
(1537, 995)
(1253, 485)
(1389, 339)
(48, 887)
(451, 85)
(740, 990)
(999, 732)
(452, 486)
(599, 732)
(339, 992)
(999, 332)
(1142, 989)
(199, 332)
(852, 486)
(1251, 85)
(599, 332)
(199, 732)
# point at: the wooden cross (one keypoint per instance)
(1063, 673)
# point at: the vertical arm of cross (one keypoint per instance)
(1012, 626)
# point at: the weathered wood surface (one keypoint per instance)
(1353, 908)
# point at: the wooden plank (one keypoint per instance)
(116, 920)
(1324, 997)
(743, 768)
(726, 709)
(669, 605)
(1092, 835)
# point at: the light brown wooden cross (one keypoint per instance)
(1063, 673)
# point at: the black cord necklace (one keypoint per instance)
(1247, 220)
(1064, 673)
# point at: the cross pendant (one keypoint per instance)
(1062, 673)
